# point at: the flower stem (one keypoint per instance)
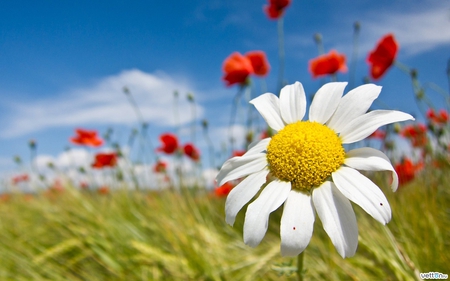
(356, 28)
(234, 107)
(448, 75)
(280, 54)
(300, 266)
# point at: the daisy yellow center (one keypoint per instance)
(305, 154)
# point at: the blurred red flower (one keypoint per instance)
(20, 178)
(416, 133)
(378, 134)
(406, 170)
(383, 56)
(238, 153)
(169, 143)
(57, 186)
(259, 62)
(440, 118)
(105, 159)
(86, 137)
(237, 68)
(276, 8)
(5, 197)
(103, 190)
(327, 64)
(160, 167)
(191, 151)
(223, 190)
(84, 185)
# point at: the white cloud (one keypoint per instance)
(105, 103)
(419, 27)
(418, 31)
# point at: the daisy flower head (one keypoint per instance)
(310, 171)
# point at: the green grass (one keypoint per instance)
(77, 235)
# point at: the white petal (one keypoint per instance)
(366, 124)
(297, 223)
(268, 106)
(242, 193)
(238, 167)
(292, 103)
(325, 101)
(353, 104)
(363, 192)
(257, 215)
(257, 146)
(338, 218)
(370, 159)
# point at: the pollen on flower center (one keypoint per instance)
(305, 154)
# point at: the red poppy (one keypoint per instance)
(103, 160)
(416, 133)
(160, 167)
(259, 62)
(86, 137)
(276, 8)
(20, 178)
(223, 190)
(407, 170)
(440, 118)
(383, 56)
(237, 68)
(169, 143)
(327, 64)
(191, 151)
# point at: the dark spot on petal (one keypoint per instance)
(381, 204)
(293, 228)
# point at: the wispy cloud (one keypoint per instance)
(418, 27)
(417, 31)
(104, 103)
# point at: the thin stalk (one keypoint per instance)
(281, 54)
(134, 105)
(234, 107)
(403, 257)
(300, 266)
(248, 95)
(448, 75)
(356, 28)
(141, 120)
(439, 90)
(209, 142)
(419, 92)
(191, 100)
(176, 112)
(319, 43)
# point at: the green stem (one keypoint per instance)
(248, 95)
(234, 107)
(356, 28)
(300, 266)
(448, 75)
(280, 54)
(210, 144)
(194, 117)
(403, 67)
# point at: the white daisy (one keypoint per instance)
(310, 168)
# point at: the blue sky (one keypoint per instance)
(63, 64)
